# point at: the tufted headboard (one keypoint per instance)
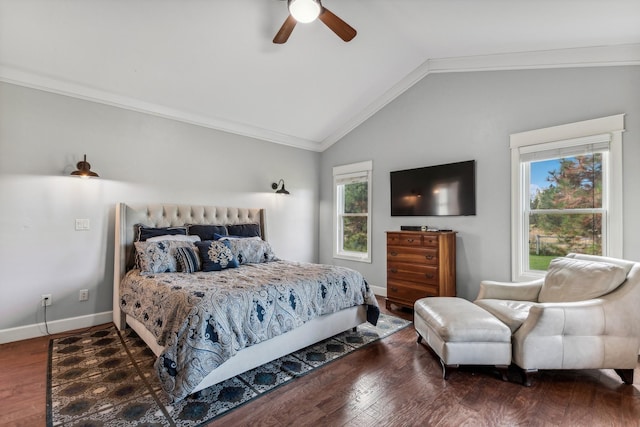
(167, 215)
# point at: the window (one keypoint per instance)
(352, 204)
(566, 194)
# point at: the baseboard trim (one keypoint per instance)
(379, 291)
(55, 327)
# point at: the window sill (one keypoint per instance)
(358, 258)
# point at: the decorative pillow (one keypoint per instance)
(142, 232)
(244, 230)
(188, 260)
(158, 257)
(571, 279)
(174, 237)
(216, 255)
(251, 250)
(206, 232)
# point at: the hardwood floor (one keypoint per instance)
(393, 382)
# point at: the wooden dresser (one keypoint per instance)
(420, 264)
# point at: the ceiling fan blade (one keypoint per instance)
(285, 31)
(337, 25)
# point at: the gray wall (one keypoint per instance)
(140, 159)
(460, 116)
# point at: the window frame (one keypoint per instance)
(559, 137)
(341, 173)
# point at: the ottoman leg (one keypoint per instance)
(526, 377)
(445, 372)
(502, 370)
(626, 375)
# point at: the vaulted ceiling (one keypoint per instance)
(213, 63)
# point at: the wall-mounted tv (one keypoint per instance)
(442, 190)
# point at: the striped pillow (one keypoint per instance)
(188, 260)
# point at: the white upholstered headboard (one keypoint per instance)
(167, 215)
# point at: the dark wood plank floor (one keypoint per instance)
(393, 382)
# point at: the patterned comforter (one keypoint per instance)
(203, 319)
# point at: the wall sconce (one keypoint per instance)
(84, 169)
(280, 190)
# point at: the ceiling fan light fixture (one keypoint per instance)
(305, 10)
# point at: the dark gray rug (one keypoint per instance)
(106, 378)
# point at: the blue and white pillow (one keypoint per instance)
(250, 250)
(159, 257)
(216, 255)
(188, 260)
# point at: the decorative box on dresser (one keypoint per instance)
(420, 264)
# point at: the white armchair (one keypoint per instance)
(585, 314)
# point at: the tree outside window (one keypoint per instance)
(565, 208)
(352, 230)
(354, 217)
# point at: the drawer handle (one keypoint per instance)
(429, 276)
(429, 256)
(394, 253)
(394, 289)
(410, 240)
(394, 270)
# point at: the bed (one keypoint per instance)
(299, 316)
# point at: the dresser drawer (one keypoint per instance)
(423, 274)
(421, 255)
(397, 239)
(407, 292)
(430, 241)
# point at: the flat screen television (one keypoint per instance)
(442, 190)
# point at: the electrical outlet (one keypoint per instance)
(46, 299)
(84, 295)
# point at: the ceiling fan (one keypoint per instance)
(307, 11)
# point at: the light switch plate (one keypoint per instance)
(82, 224)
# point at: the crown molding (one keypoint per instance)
(597, 56)
(41, 82)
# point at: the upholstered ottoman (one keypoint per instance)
(461, 333)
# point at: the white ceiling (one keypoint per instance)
(212, 62)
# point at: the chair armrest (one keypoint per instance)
(522, 291)
(581, 318)
(574, 335)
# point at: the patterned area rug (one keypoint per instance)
(106, 378)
